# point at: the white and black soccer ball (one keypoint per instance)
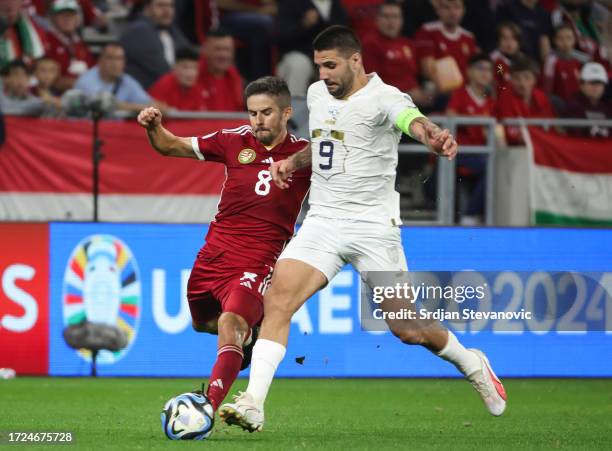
(189, 416)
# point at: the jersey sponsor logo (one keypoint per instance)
(246, 156)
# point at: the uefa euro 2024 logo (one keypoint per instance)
(102, 285)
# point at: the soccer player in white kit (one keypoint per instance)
(356, 122)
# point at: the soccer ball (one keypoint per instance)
(188, 416)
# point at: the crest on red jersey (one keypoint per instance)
(246, 156)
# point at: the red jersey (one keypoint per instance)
(509, 104)
(561, 76)
(433, 40)
(464, 102)
(167, 89)
(501, 68)
(221, 93)
(255, 217)
(71, 53)
(393, 59)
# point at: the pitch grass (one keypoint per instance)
(333, 414)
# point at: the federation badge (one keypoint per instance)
(246, 156)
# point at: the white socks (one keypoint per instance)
(267, 355)
(466, 361)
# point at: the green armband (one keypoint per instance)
(405, 118)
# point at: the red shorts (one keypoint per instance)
(218, 285)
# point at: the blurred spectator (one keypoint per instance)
(92, 16)
(46, 73)
(218, 75)
(252, 23)
(508, 48)
(109, 76)
(362, 14)
(473, 99)
(589, 102)
(65, 44)
(195, 18)
(391, 55)
(444, 47)
(535, 23)
(562, 67)
(2, 129)
(180, 88)
(150, 42)
(297, 24)
(20, 37)
(16, 97)
(524, 100)
(578, 14)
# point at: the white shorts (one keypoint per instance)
(328, 244)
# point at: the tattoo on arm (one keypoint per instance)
(419, 127)
(303, 158)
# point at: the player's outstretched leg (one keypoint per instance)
(292, 284)
(472, 363)
(233, 329)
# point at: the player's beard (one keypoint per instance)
(265, 136)
(343, 86)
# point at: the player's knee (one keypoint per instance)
(275, 308)
(408, 336)
(233, 327)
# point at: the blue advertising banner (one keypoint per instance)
(134, 276)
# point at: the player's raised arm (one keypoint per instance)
(162, 140)
(437, 140)
(282, 170)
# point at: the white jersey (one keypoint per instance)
(354, 152)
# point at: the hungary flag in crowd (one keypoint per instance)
(571, 180)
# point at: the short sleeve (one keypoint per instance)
(209, 147)
(392, 102)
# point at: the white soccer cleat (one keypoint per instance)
(488, 386)
(243, 412)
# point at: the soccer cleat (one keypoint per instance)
(488, 386)
(243, 412)
(248, 348)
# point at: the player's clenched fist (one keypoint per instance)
(281, 171)
(441, 142)
(150, 117)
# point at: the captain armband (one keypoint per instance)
(405, 118)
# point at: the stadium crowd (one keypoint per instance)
(502, 58)
(498, 58)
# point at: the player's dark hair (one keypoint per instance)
(186, 54)
(523, 63)
(337, 37)
(477, 58)
(272, 86)
(218, 32)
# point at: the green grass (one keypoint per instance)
(334, 414)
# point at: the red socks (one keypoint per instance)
(224, 373)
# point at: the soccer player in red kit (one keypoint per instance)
(254, 221)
